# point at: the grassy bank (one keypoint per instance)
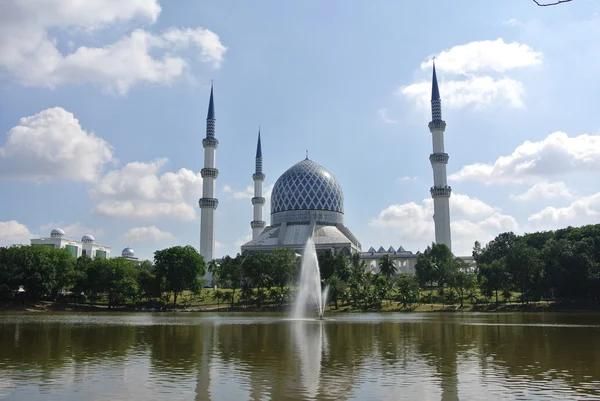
(543, 306)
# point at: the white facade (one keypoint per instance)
(87, 246)
(441, 191)
(208, 203)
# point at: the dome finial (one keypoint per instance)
(306, 154)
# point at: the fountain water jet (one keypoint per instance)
(310, 294)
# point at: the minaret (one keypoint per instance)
(258, 224)
(208, 203)
(440, 192)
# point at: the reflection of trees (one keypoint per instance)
(51, 345)
(321, 360)
(541, 352)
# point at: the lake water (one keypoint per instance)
(206, 356)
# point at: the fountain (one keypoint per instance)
(310, 294)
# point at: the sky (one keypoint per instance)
(103, 106)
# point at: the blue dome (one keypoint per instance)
(128, 252)
(307, 186)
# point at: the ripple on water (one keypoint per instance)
(174, 356)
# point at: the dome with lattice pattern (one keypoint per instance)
(307, 186)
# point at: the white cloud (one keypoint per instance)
(511, 22)
(30, 54)
(545, 190)
(585, 210)
(247, 193)
(146, 234)
(554, 155)
(73, 231)
(407, 178)
(471, 220)
(383, 116)
(478, 91)
(139, 191)
(485, 55)
(241, 241)
(13, 232)
(53, 145)
(467, 63)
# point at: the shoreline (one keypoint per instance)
(543, 306)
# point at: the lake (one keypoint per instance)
(247, 356)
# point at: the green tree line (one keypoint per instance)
(46, 273)
(561, 265)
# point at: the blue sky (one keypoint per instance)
(103, 107)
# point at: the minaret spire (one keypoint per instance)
(258, 201)
(258, 147)
(436, 101)
(211, 104)
(208, 203)
(440, 192)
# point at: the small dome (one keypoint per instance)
(57, 233)
(128, 252)
(88, 239)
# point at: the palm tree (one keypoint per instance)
(387, 267)
(337, 287)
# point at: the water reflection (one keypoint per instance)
(264, 357)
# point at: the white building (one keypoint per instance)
(87, 246)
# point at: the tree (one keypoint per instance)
(327, 263)
(146, 265)
(181, 268)
(523, 264)
(230, 274)
(435, 265)
(493, 278)
(285, 268)
(387, 267)
(408, 289)
(462, 279)
(357, 265)
(116, 278)
(9, 271)
(42, 270)
(342, 267)
(214, 268)
(336, 288)
(258, 269)
(496, 249)
(148, 284)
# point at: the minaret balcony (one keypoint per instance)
(210, 143)
(258, 177)
(439, 158)
(258, 200)
(257, 224)
(441, 192)
(437, 125)
(211, 203)
(209, 172)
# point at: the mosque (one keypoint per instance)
(307, 200)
